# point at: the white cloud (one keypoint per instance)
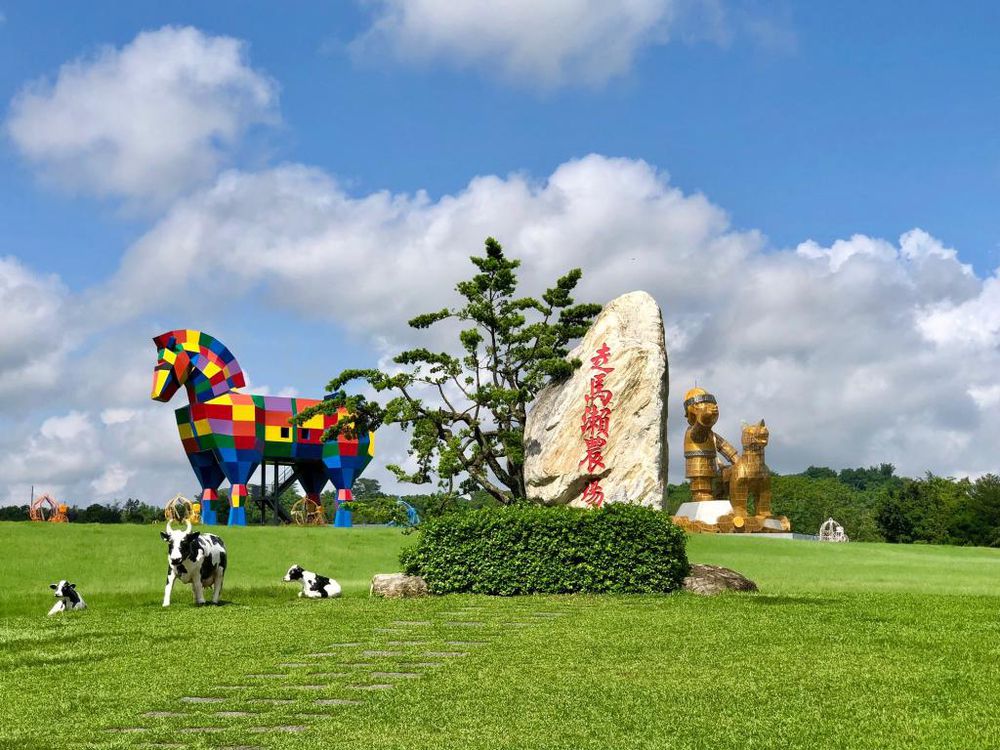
(558, 42)
(970, 324)
(114, 479)
(544, 43)
(35, 335)
(145, 121)
(117, 416)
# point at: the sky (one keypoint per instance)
(809, 191)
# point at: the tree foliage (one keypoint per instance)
(466, 411)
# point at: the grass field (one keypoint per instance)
(846, 646)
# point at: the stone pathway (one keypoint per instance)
(342, 676)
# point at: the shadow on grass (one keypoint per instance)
(186, 604)
(33, 641)
(56, 660)
(770, 601)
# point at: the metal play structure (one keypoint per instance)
(228, 434)
(307, 512)
(412, 516)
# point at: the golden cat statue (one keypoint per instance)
(750, 478)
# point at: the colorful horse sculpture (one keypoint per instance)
(226, 434)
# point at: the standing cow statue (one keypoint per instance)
(195, 558)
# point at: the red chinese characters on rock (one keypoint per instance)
(595, 424)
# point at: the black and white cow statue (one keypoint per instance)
(68, 597)
(198, 559)
(314, 586)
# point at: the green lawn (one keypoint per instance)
(846, 646)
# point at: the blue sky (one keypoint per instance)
(871, 120)
(770, 124)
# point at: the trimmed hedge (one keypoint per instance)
(528, 549)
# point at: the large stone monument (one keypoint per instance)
(601, 436)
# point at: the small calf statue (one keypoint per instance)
(314, 586)
(198, 559)
(68, 597)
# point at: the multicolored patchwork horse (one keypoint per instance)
(226, 434)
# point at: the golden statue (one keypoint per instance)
(748, 477)
(702, 446)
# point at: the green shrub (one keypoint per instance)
(527, 549)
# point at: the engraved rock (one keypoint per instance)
(635, 455)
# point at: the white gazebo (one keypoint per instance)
(831, 531)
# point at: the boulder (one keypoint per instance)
(635, 455)
(708, 580)
(397, 585)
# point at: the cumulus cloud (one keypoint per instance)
(557, 43)
(548, 43)
(145, 121)
(839, 347)
(35, 334)
(80, 457)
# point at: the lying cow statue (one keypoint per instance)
(68, 597)
(198, 559)
(314, 586)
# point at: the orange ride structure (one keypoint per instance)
(45, 508)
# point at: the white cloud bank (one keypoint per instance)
(860, 352)
(145, 121)
(848, 351)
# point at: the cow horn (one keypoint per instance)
(170, 529)
(187, 529)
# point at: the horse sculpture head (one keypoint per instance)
(197, 361)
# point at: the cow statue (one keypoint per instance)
(67, 596)
(314, 586)
(198, 559)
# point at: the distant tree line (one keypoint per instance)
(117, 511)
(875, 505)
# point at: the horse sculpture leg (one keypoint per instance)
(210, 475)
(238, 465)
(238, 504)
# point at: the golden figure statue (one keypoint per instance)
(710, 510)
(702, 446)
